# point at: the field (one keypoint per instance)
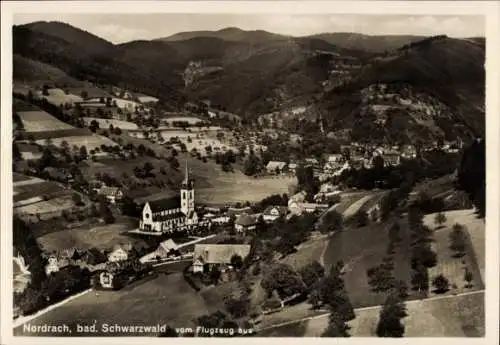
(84, 237)
(46, 209)
(148, 302)
(40, 188)
(89, 141)
(451, 316)
(104, 123)
(361, 249)
(474, 260)
(72, 132)
(189, 119)
(59, 97)
(235, 187)
(39, 121)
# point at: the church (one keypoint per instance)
(171, 214)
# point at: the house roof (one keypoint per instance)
(109, 191)
(275, 164)
(168, 245)
(220, 253)
(281, 209)
(165, 204)
(245, 220)
(238, 211)
(312, 205)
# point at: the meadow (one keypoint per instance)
(89, 141)
(39, 121)
(166, 299)
(105, 123)
(100, 236)
(474, 260)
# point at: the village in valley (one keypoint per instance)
(130, 212)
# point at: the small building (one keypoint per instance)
(93, 257)
(218, 255)
(275, 167)
(56, 263)
(391, 159)
(119, 253)
(292, 168)
(112, 194)
(312, 162)
(335, 158)
(298, 208)
(244, 223)
(106, 279)
(272, 213)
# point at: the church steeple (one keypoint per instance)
(187, 183)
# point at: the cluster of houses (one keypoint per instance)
(357, 156)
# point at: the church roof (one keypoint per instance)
(165, 204)
(163, 217)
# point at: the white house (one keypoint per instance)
(275, 167)
(272, 213)
(112, 194)
(119, 254)
(298, 208)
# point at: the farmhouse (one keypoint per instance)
(275, 167)
(120, 253)
(120, 103)
(171, 214)
(145, 99)
(218, 255)
(312, 162)
(272, 213)
(292, 167)
(244, 223)
(298, 208)
(112, 194)
(391, 159)
(55, 263)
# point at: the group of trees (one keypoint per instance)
(329, 291)
(422, 257)
(471, 175)
(392, 312)
(381, 277)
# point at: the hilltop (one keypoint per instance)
(333, 76)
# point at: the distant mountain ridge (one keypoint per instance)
(256, 72)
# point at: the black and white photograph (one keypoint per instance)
(268, 174)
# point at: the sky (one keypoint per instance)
(120, 28)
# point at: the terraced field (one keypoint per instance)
(89, 141)
(39, 121)
(104, 123)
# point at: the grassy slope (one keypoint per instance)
(145, 303)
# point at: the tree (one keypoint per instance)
(420, 279)
(236, 261)
(83, 152)
(336, 326)
(468, 277)
(237, 307)
(361, 218)
(129, 207)
(283, 278)
(440, 219)
(332, 221)
(394, 233)
(77, 199)
(105, 212)
(169, 332)
(94, 126)
(458, 240)
(392, 312)
(312, 273)
(16, 154)
(441, 284)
